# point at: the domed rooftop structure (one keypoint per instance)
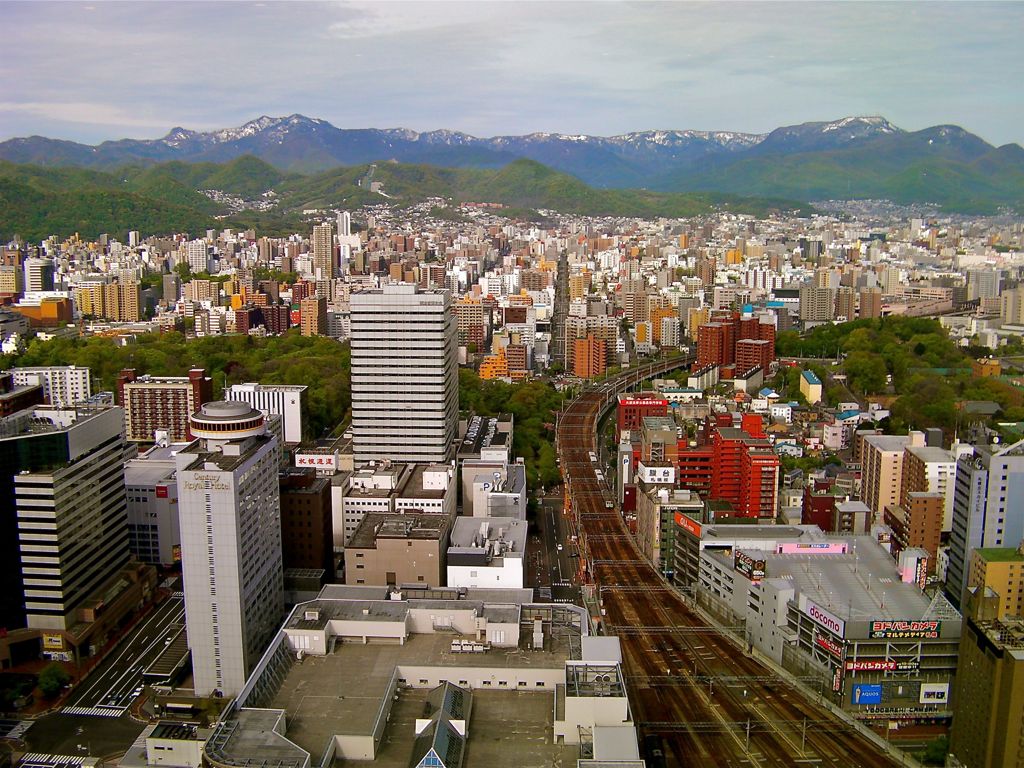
(227, 420)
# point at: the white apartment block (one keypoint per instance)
(284, 400)
(63, 385)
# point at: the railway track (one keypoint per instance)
(710, 702)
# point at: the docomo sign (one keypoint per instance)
(829, 621)
(688, 524)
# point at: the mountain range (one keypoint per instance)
(851, 158)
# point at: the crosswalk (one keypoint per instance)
(42, 760)
(94, 711)
(179, 595)
(19, 730)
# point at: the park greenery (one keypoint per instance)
(534, 405)
(316, 361)
(931, 374)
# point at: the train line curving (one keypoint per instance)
(691, 687)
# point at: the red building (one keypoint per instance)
(718, 341)
(162, 403)
(736, 465)
(633, 409)
(753, 353)
(819, 506)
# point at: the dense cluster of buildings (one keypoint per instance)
(391, 563)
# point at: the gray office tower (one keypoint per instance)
(65, 515)
(405, 383)
(988, 508)
(230, 510)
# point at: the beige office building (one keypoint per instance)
(883, 469)
(398, 549)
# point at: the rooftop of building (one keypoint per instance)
(342, 692)
(477, 532)
(45, 419)
(408, 526)
(734, 531)
(482, 432)
(999, 554)
(930, 454)
(145, 472)
(217, 461)
(659, 422)
(251, 386)
(888, 442)
(861, 585)
(296, 480)
(1006, 634)
(811, 377)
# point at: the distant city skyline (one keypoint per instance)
(94, 71)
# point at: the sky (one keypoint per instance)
(99, 70)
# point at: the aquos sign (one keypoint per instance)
(824, 618)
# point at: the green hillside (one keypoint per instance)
(162, 199)
(927, 166)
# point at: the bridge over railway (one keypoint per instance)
(710, 703)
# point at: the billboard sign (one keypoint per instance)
(830, 645)
(866, 693)
(921, 576)
(325, 462)
(883, 665)
(52, 642)
(632, 402)
(934, 693)
(688, 524)
(905, 630)
(820, 548)
(824, 618)
(748, 566)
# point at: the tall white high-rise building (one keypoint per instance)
(988, 508)
(230, 513)
(405, 385)
(197, 256)
(344, 224)
(323, 252)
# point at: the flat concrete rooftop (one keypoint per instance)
(341, 693)
(506, 728)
